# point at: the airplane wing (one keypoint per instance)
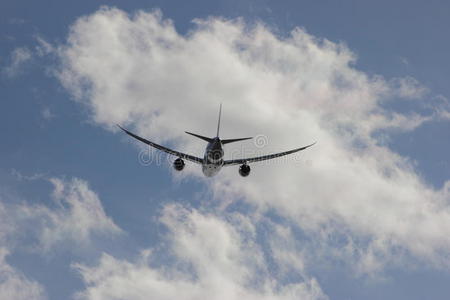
(162, 148)
(261, 158)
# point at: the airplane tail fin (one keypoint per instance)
(218, 123)
(200, 136)
(209, 140)
(235, 140)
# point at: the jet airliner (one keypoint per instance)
(212, 160)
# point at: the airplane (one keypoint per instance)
(212, 161)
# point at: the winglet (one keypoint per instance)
(121, 127)
(310, 145)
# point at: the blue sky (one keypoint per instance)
(52, 135)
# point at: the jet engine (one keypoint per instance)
(178, 164)
(244, 170)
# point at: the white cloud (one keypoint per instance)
(17, 21)
(15, 285)
(211, 258)
(22, 56)
(43, 48)
(76, 217)
(408, 87)
(47, 114)
(404, 61)
(21, 177)
(441, 107)
(19, 57)
(138, 70)
(73, 221)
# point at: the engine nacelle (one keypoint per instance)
(178, 164)
(244, 170)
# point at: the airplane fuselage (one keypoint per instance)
(213, 158)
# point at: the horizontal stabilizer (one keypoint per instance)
(209, 140)
(235, 140)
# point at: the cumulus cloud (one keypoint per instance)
(15, 285)
(79, 216)
(357, 201)
(408, 87)
(75, 217)
(208, 258)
